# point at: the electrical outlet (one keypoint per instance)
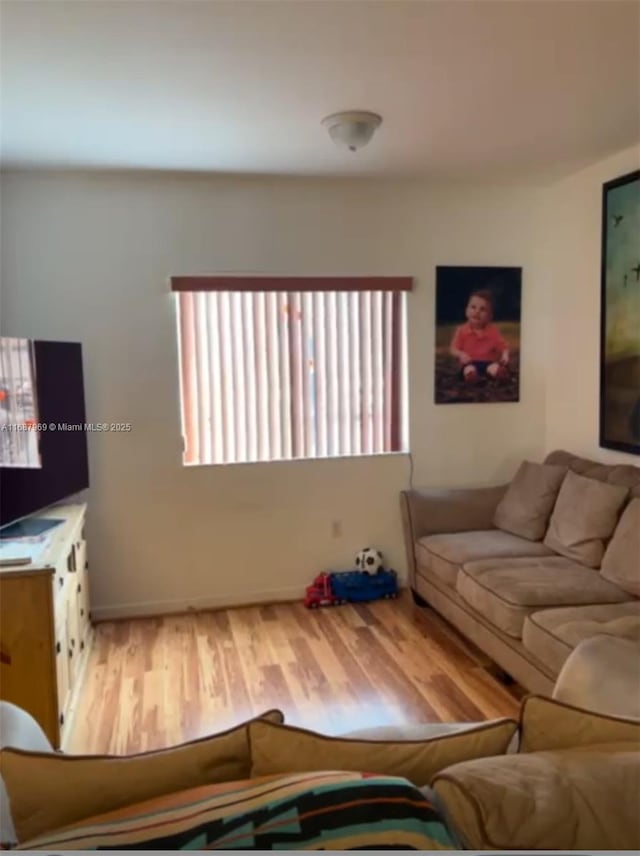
(336, 528)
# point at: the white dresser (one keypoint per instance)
(45, 621)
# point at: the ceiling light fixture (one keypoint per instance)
(352, 128)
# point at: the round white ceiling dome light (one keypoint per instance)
(352, 128)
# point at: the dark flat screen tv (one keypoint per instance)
(43, 439)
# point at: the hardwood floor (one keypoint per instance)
(157, 681)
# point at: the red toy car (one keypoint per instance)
(319, 593)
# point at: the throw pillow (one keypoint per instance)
(567, 799)
(285, 749)
(525, 508)
(330, 811)
(585, 515)
(549, 724)
(621, 563)
(50, 790)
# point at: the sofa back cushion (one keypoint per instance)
(550, 724)
(49, 790)
(621, 563)
(585, 515)
(624, 475)
(286, 749)
(525, 508)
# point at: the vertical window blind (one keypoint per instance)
(272, 374)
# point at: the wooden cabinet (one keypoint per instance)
(45, 624)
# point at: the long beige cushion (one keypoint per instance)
(552, 634)
(285, 749)
(547, 723)
(505, 591)
(444, 554)
(621, 563)
(585, 515)
(527, 505)
(569, 799)
(48, 790)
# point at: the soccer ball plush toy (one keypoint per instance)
(369, 560)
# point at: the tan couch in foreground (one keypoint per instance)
(523, 604)
(573, 784)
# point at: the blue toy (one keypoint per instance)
(359, 586)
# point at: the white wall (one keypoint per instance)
(87, 258)
(574, 254)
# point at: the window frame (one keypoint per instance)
(305, 289)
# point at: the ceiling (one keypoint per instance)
(466, 88)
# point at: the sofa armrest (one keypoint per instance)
(601, 674)
(429, 512)
(18, 730)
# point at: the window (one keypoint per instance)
(19, 436)
(285, 368)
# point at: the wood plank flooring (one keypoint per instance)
(157, 681)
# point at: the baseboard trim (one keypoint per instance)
(151, 608)
(148, 609)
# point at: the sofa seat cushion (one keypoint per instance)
(444, 554)
(566, 799)
(552, 634)
(505, 591)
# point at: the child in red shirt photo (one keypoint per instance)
(477, 341)
(478, 345)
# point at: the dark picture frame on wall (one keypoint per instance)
(620, 315)
(477, 341)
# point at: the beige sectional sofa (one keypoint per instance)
(518, 599)
(568, 782)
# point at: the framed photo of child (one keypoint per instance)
(477, 357)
